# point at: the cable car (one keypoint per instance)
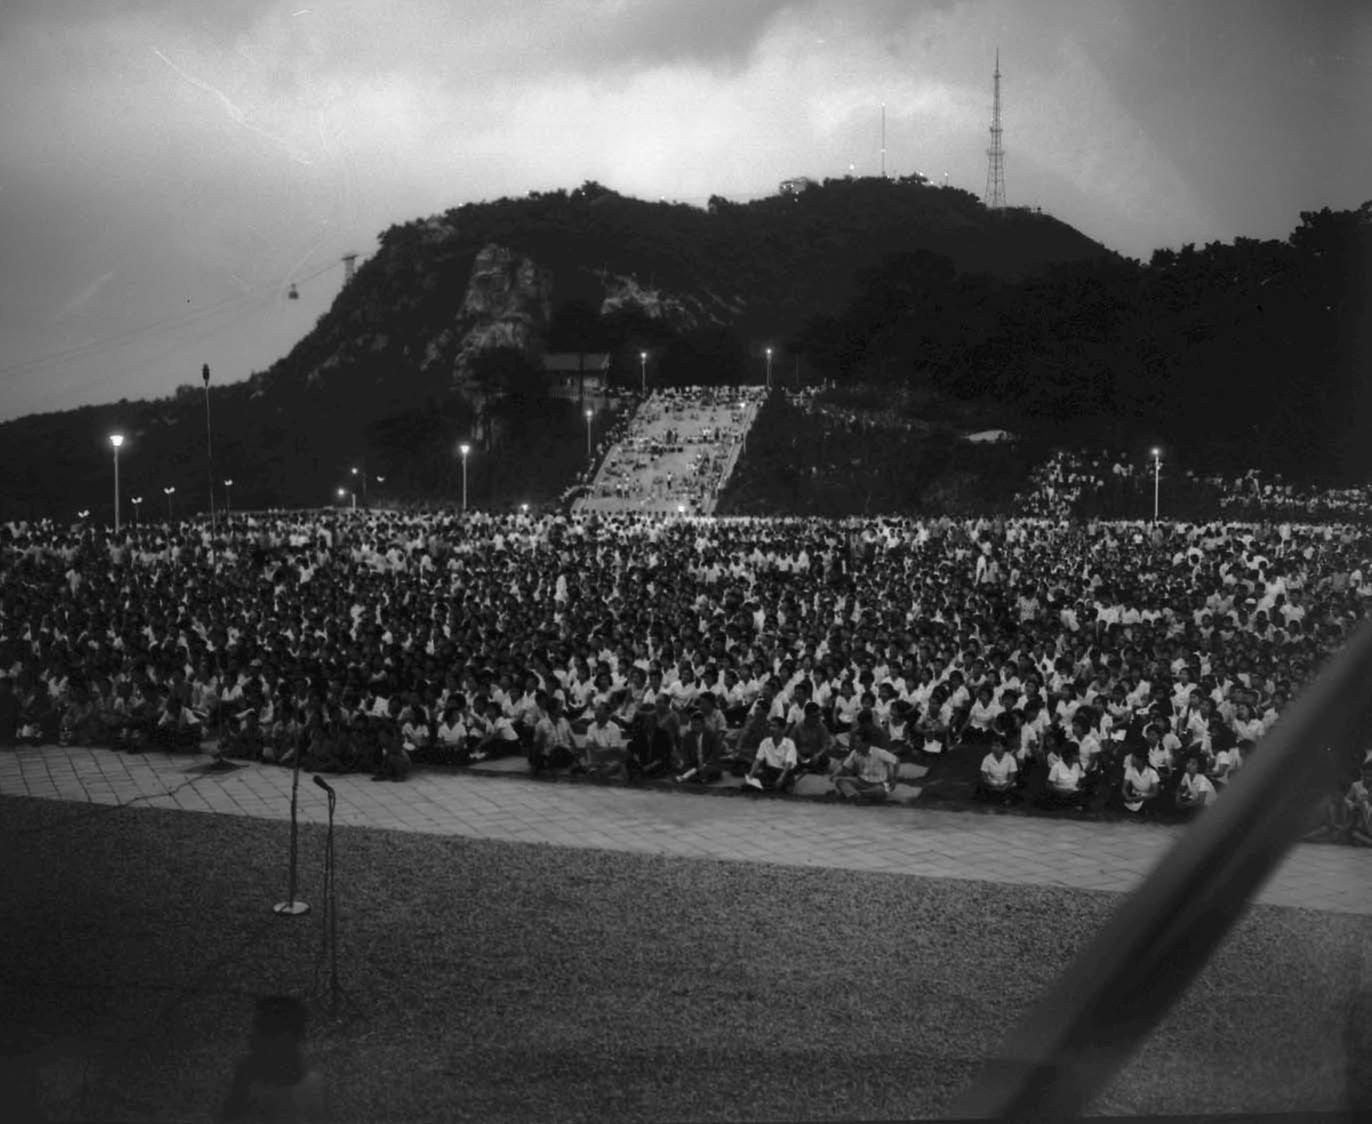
(293, 294)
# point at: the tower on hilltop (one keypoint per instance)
(995, 155)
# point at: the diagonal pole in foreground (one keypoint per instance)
(1069, 1047)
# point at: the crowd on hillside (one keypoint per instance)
(676, 451)
(1277, 497)
(1132, 663)
(1058, 486)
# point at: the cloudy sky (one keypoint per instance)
(168, 167)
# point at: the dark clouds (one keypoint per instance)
(165, 155)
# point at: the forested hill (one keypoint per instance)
(449, 316)
(1247, 354)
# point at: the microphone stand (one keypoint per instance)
(293, 906)
(328, 942)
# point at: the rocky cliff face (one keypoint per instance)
(683, 312)
(507, 303)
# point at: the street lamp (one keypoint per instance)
(137, 502)
(169, 491)
(524, 509)
(464, 449)
(363, 474)
(643, 371)
(1157, 475)
(209, 441)
(228, 499)
(116, 440)
(589, 415)
(769, 368)
(343, 492)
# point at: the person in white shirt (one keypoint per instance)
(1141, 784)
(1194, 791)
(1066, 778)
(602, 754)
(775, 764)
(998, 771)
(499, 735)
(451, 737)
(867, 773)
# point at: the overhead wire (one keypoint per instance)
(168, 323)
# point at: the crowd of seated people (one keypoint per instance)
(1132, 665)
(676, 451)
(1061, 485)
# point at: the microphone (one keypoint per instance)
(322, 783)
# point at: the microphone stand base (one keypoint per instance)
(291, 909)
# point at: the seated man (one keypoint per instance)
(900, 729)
(774, 766)
(1141, 784)
(1066, 779)
(603, 753)
(755, 730)
(394, 760)
(243, 738)
(701, 750)
(1194, 790)
(450, 739)
(553, 745)
(998, 772)
(814, 742)
(497, 735)
(654, 748)
(868, 772)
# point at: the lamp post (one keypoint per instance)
(643, 371)
(589, 415)
(209, 441)
(769, 368)
(363, 474)
(1157, 476)
(116, 440)
(137, 502)
(524, 510)
(464, 449)
(344, 492)
(169, 491)
(228, 500)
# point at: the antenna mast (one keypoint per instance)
(995, 155)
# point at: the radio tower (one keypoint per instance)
(995, 155)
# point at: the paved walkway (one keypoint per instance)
(899, 840)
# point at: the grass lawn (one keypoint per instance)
(520, 982)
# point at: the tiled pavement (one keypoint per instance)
(923, 841)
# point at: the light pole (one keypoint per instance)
(342, 492)
(363, 474)
(1157, 476)
(209, 441)
(169, 491)
(589, 415)
(524, 510)
(769, 368)
(643, 371)
(116, 439)
(137, 502)
(228, 500)
(464, 449)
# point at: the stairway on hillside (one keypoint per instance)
(678, 452)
